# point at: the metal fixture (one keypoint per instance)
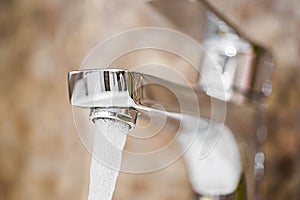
(127, 115)
(243, 66)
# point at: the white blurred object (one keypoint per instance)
(219, 172)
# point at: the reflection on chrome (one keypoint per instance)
(233, 79)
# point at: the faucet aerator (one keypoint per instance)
(126, 115)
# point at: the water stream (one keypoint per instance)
(109, 141)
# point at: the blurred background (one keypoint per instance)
(41, 156)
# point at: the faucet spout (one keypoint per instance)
(113, 88)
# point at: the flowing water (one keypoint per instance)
(109, 141)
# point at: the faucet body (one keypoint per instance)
(126, 95)
(234, 100)
(129, 89)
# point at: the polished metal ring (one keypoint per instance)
(126, 115)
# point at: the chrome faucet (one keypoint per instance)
(235, 99)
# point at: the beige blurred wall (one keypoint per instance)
(41, 156)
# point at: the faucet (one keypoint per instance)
(235, 102)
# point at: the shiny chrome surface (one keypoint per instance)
(112, 88)
(116, 90)
(126, 115)
(244, 67)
